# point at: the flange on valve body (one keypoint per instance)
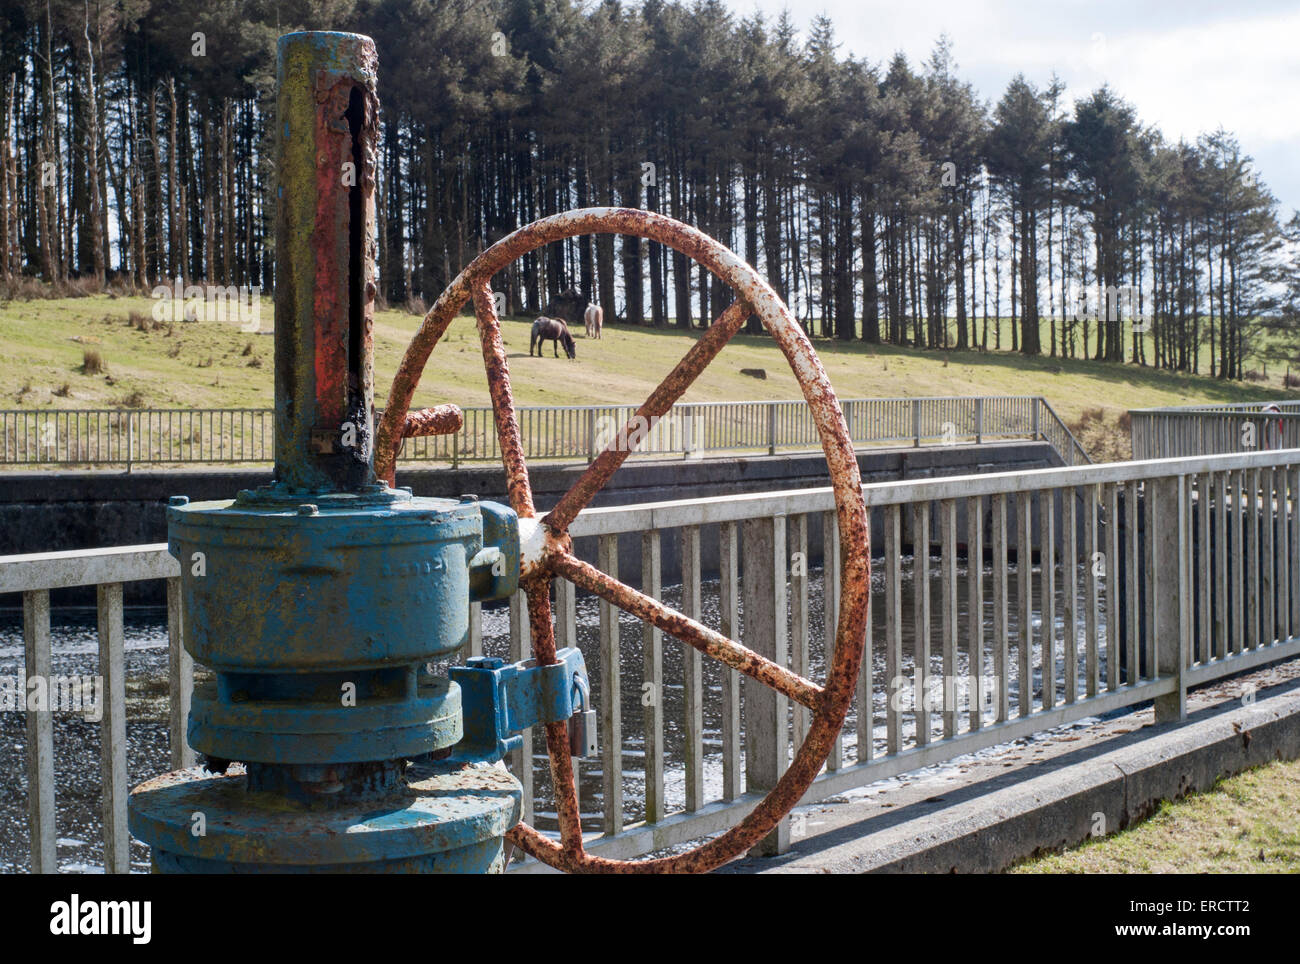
(318, 601)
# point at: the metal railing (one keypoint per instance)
(245, 435)
(1163, 433)
(1166, 575)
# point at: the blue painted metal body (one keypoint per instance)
(318, 616)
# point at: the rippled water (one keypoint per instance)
(77, 742)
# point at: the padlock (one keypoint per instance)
(582, 725)
(582, 734)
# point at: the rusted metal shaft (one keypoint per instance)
(439, 420)
(327, 128)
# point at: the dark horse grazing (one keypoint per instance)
(552, 330)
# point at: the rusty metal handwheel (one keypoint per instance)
(547, 550)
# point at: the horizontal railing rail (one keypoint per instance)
(133, 437)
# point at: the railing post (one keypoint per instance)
(611, 713)
(40, 736)
(112, 730)
(763, 603)
(1169, 574)
(771, 428)
(916, 423)
(180, 668)
(979, 421)
(1038, 408)
(591, 435)
(652, 662)
(728, 620)
(130, 440)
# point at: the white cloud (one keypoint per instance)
(1187, 67)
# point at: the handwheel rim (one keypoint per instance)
(756, 295)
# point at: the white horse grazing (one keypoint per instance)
(593, 317)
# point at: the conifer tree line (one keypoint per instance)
(886, 202)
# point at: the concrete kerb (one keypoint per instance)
(989, 832)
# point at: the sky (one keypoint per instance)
(1187, 67)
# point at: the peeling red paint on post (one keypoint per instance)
(329, 242)
(829, 703)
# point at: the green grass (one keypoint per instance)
(1247, 824)
(214, 364)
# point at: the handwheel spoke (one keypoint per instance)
(563, 778)
(689, 631)
(657, 405)
(503, 402)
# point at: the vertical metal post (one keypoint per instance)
(799, 618)
(611, 713)
(112, 730)
(180, 668)
(894, 681)
(764, 631)
(1024, 604)
(771, 428)
(652, 701)
(921, 618)
(1169, 578)
(830, 623)
(40, 736)
(692, 670)
(728, 617)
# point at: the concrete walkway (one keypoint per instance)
(983, 812)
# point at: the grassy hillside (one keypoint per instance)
(215, 364)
